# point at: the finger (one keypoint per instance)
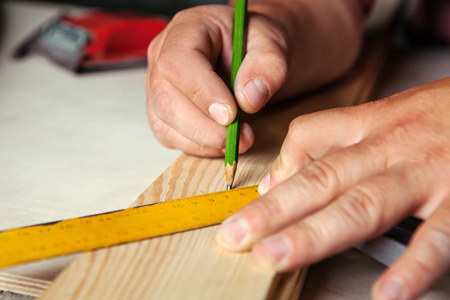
(370, 208)
(163, 131)
(178, 123)
(426, 259)
(265, 66)
(170, 138)
(175, 134)
(307, 191)
(175, 109)
(309, 138)
(187, 58)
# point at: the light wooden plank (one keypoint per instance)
(22, 285)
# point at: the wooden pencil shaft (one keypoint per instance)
(238, 38)
(232, 142)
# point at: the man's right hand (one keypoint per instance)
(189, 104)
(292, 46)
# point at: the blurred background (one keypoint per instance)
(151, 6)
(74, 145)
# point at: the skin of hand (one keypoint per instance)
(292, 46)
(349, 174)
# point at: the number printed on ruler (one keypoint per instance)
(112, 228)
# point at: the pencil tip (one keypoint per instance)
(230, 171)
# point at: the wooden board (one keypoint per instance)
(22, 285)
(190, 265)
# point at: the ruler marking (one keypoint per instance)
(118, 227)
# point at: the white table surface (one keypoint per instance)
(70, 145)
(73, 145)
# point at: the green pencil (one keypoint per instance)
(233, 130)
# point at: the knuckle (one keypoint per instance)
(313, 236)
(168, 60)
(285, 166)
(280, 37)
(322, 176)
(296, 126)
(161, 132)
(152, 49)
(202, 135)
(283, 160)
(399, 133)
(278, 171)
(424, 267)
(268, 209)
(275, 59)
(183, 16)
(362, 208)
(197, 135)
(278, 59)
(197, 94)
(179, 15)
(168, 66)
(161, 105)
(438, 241)
(276, 34)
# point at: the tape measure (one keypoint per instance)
(112, 228)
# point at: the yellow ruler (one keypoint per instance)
(112, 228)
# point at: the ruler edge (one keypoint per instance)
(252, 189)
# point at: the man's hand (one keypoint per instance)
(189, 104)
(297, 44)
(349, 174)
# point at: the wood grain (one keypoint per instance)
(22, 285)
(189, 265)
(158, 262)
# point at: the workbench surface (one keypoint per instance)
(73, 145)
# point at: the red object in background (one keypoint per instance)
(117, 36)
(95, 40)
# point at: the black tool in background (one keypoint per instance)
(388, 247)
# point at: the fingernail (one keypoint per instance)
(264, 184)
(256, 92)
(392, 290)
(232, 232)
(270, 252)
(220, 113)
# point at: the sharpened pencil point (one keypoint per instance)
(230, 172)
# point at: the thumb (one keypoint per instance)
(311, 137)
(265, 66)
